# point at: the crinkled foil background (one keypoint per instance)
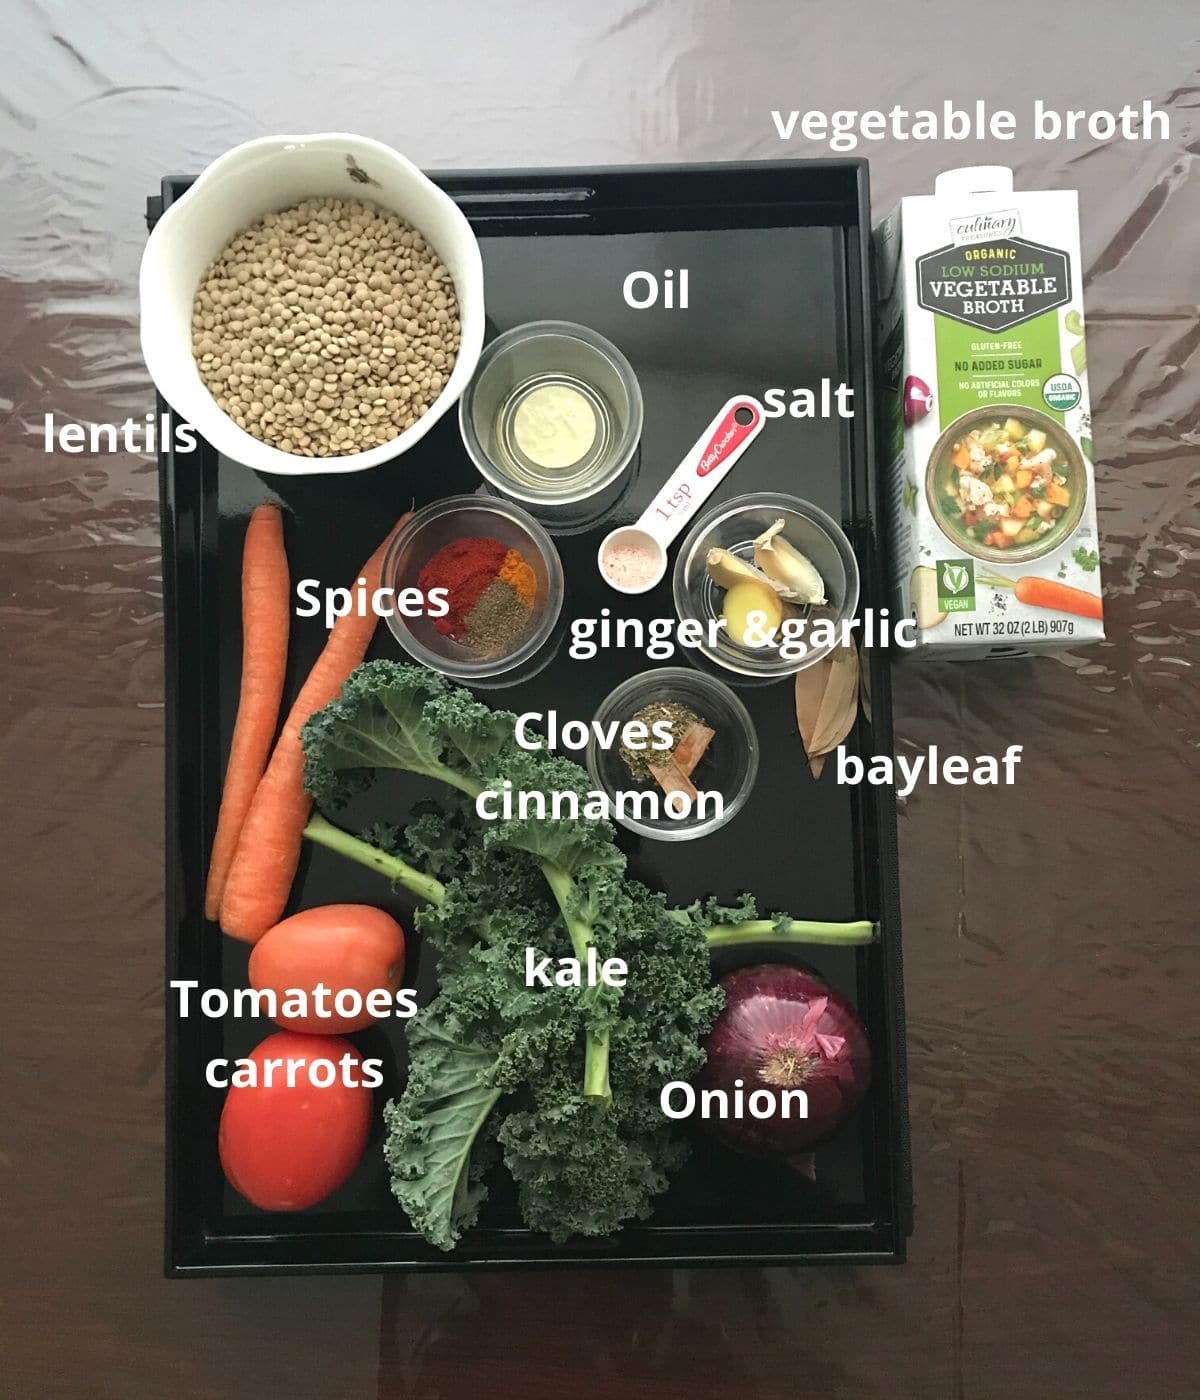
(1050, 929)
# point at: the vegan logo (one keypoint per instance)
(955, 578)
(993, 284)
(956, 585)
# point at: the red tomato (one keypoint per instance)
(350, 947)
(287, 1147)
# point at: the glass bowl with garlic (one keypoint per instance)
(781, 575)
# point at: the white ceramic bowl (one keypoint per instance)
(233, 192)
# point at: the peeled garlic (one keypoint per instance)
(791, 573)
(726, 569)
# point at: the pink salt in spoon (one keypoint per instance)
(633, 558)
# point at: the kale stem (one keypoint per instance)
(785, 930)
(596, 1086)
(462, 781)
(563, 887)
(398, 871)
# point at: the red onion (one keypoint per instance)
(783, 1028)
(918, 400)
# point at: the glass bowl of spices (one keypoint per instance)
(683, 756)
(552, 418)
(492, 583)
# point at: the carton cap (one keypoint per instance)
(975, 179)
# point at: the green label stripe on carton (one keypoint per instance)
(975, 370)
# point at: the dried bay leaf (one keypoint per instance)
(827, 703)
(810, 691)
(839, 704)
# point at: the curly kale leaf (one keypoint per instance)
(579, 1168)
(398, 716)
(392, 715)
(378, 721)
(438, 1133)
(705, 912)
(582, 1171)
(578, 1171)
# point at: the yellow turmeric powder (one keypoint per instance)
(519, 576)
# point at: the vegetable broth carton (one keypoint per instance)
(987, 425)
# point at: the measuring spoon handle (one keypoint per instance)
(704, 466)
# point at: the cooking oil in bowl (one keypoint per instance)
(552, 419)
(554, 433)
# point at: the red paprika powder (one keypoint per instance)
(464, 568)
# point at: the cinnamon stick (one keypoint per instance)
(671, 778)
(692, 748)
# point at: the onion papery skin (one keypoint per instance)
(783, 1027)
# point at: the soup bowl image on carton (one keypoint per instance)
(992, 499)
(1026, 462)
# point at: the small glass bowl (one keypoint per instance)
(453, 518)
(729, 766)
(537, 356)
(734, 526)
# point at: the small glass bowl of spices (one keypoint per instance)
(493, 587)
(723, 556)
(552, 418)
(684, 755)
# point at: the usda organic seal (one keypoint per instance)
(1062, 391)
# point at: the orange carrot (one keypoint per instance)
(268, 851)
(266, 590)
(1049, 593)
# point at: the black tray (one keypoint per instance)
(779, 297)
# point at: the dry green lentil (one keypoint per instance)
(333, 282)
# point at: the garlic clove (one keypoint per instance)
(792, 573)
(726, 569)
